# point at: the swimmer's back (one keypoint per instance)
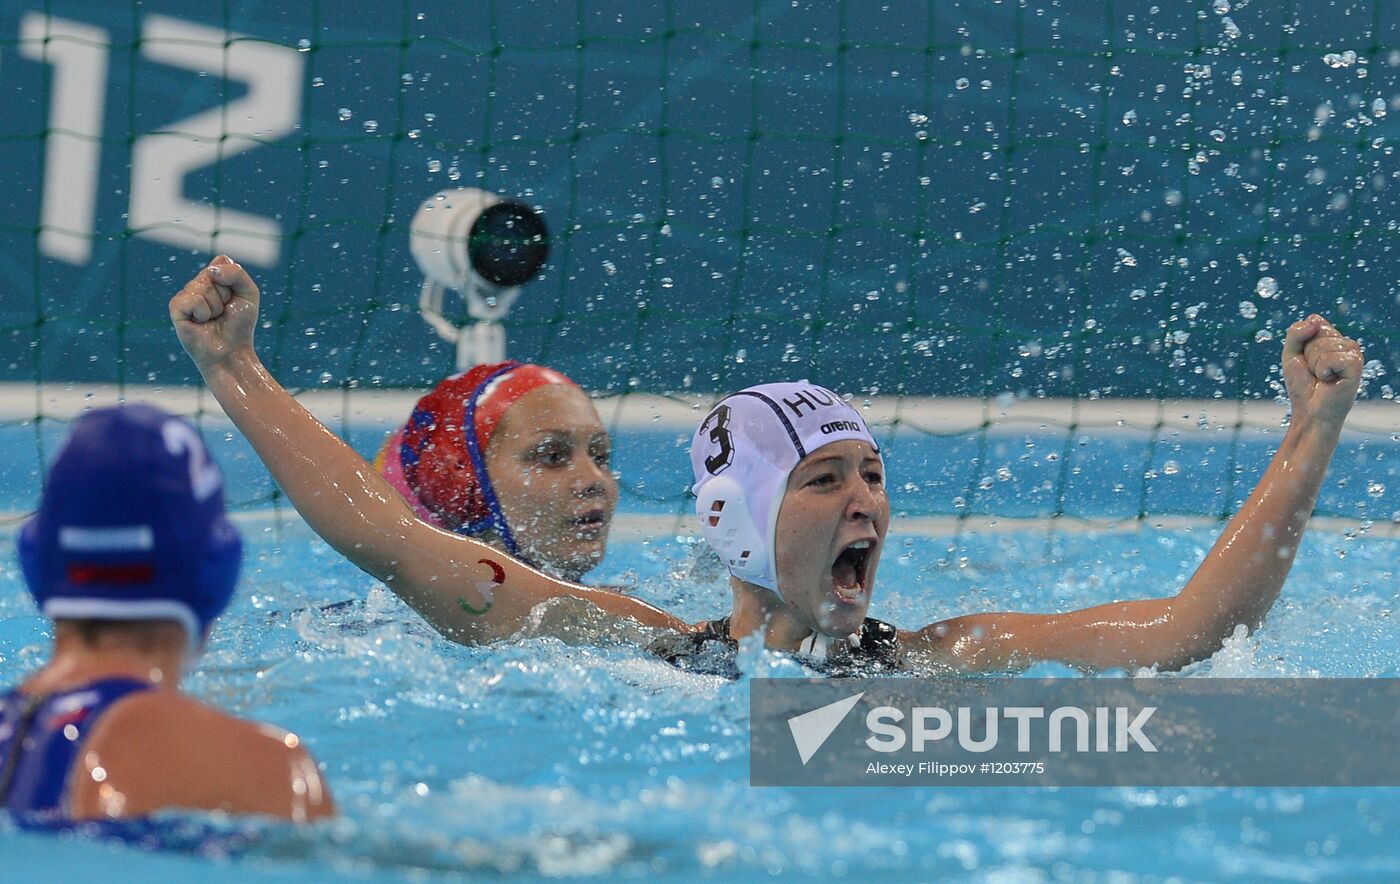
(160, 749)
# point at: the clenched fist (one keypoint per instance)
(215, 313)
(1322, 370)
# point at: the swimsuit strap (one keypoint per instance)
(41, 737)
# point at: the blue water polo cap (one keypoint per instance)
(131, 525)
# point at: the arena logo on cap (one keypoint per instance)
(840, 427)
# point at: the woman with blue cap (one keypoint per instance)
(132, 557)
(789, 486)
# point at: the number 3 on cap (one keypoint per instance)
(719, 434)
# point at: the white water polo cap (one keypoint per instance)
(742, 456)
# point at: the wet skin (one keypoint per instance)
(549, 462)
(835, 497)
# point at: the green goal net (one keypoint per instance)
(1052, 246)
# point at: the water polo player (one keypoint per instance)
(532, 476)
(792, 497)
(789, 487)
(131, 555)
(468, 590)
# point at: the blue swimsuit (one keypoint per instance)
(40, 738)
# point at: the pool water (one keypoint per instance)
(537, 759)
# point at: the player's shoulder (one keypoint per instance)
(166, 734)
(174, 715)
(164, 749)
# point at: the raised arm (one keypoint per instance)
(469, 591)
(1240, 577)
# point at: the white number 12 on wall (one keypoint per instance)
(161, 160)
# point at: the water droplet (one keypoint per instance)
(344, 114)
(1378, 108)
(1266, 287)
(406, 79)
(716, 182)
(434, 165)
(1126, 258)
(454, 173)
(1171, 468)
(1237, 78)
(371, 126)
(1263, 335)
(428, 118)
(1221, 6)
(1137, 294)
(986, 482)
(1232, 30)
(1129, 118)
(1340, 59)
(414, 134)
(1248, 310)
(963, 82)
(303, 45)
(1375, 489)
(317, 81)
(1217, 134)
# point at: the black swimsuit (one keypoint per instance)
(711, 650)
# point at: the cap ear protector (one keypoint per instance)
(727, 524)
(219, 568)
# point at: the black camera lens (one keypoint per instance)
(508, 244)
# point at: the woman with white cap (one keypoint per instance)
(790, 492)
(789, 486)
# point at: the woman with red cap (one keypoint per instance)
(515, 455)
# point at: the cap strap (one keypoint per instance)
(495, 518)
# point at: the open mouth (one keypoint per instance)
(590, 524)
(850, 573)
